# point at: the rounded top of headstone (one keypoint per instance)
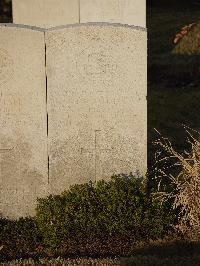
(96, 24)
(45, 13)
(21, 26)
(76, 25)
(131, 12)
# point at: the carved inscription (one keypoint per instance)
(96, 151)
(6, 67)
(114, 11)
(9, 103)
(3, 151)
(99, 65)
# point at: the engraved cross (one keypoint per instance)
(96, 151)
(4, 150)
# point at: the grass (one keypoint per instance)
(185, 183)
(169, 110)
(68, 262)
(158, 253)
(173, 80)
(132, 261)
(156, 261)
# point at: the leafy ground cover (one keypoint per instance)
(100, 220)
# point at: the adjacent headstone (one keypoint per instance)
(23, 134)
(132, 12)
(45, 13)
(97, 85)
(49, 13)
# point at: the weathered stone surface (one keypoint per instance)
(96, 102)
(23, 137)
(132, 12)
(49, 13)
(45, 13)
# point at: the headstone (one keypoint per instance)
(97, 85)
(45, 13)
(49, 13)
(23, 137)
(72, 99)
(132, 12)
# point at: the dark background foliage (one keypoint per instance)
(167, 3)
(5, 11)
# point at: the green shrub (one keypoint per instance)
(18, 238)
(105, 219)
(120, 207)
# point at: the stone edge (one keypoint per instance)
(22, 26)
(97, 24)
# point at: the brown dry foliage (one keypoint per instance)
(188, 43)
(186, 183)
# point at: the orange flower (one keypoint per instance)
(183, 32)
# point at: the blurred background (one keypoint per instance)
(5, 11)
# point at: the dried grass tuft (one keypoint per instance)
(185, 182)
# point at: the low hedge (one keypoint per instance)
(19, 238)
(90, 220)
(119, 208)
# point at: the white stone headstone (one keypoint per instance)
(97, 86)
(23, 134)
(72, 99)
(132, 12)
(49, 13)
(45, 13)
